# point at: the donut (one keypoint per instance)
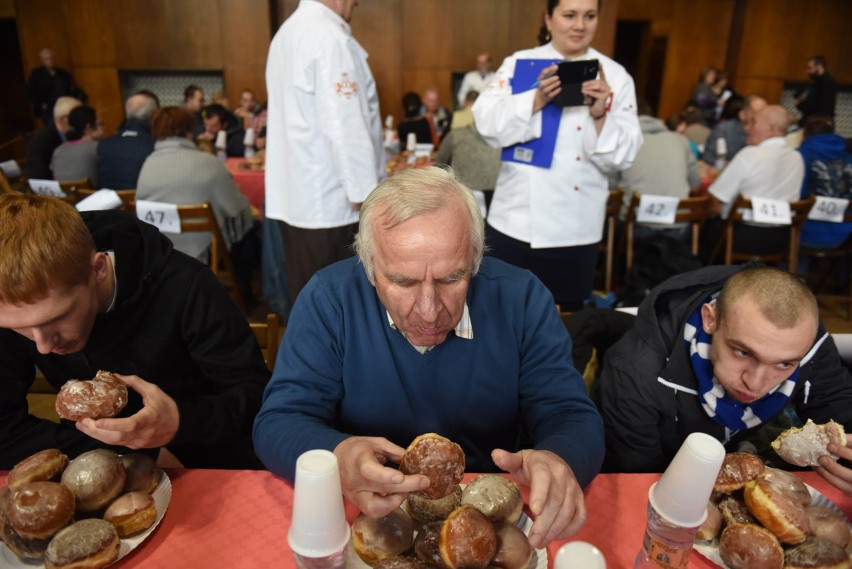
(88, 544)
(143, 474)
(102, 396)
(778, 513)
(426, 545)
(711, 525)
(495, 496)
(401, 562)
(734, 511)
(131, 513)
(816, 553)
(467, 539)
(28, 550)
(737, 469)
(4, 499)
(513, 548)
(96, 478)
(437, 458)
(803, 446)
(47, 464)
(39, 509)
(829, 524)
(425, 510)
(790, 484)
(377, 538)
(749, 546)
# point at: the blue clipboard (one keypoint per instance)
(537, 152)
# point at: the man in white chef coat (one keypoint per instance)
(324, 136)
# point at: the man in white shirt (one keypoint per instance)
(478, 79)
(324, 136)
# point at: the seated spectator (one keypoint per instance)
(248, 108)
(193, 100)
(721, 363)
(406, 340)
(676, 123)
(436, 113)
(696, 129)
(414, 121)
(78, 157)
(120, 156)
(216, 118)
(177, 172)
(104, 291)
(40, 150)
(464, 116)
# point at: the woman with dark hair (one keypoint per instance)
(549, 218)
(413, 121)
(77, 158)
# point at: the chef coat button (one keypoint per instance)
(578, 158)
(576, 188)
(579, 127)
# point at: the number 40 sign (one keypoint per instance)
(162, 215)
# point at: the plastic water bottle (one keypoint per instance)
(721, 153)
(665, 545)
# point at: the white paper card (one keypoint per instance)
(164, 216)
(829, 209)
(100, 200)
(47, 188)
(10, 169)
(765, 210)
(657, 209)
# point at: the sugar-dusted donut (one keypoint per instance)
(439, 459)
(44, 465)
(816, 553)
(791, 484)
(513, 548)
(377, 538)
(102, 396)
(96, 478)
(88, 544)
(467, 539)
(495, 496)
(131, 513)
(749, 546)
(737, 469)
(778, 513)
(829, 524)
(803, 446)
(426, 510)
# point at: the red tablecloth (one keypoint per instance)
(239, 520)
(250, 182)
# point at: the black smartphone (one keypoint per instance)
(572, 74)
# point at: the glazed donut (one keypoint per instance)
(143, 474)
(425, 510)
(803, 446)
(96, 478)
(829, 524)
(778, 513)
(749, 546)
(790, 484)
(47, 464)
(737, 469)
(816, 553)
(4, 499)
(712, 524)
(88, 544)
(401, 562)
(102, 396)
(131, 513)
(495, 496)
(39, 509)
(513, 548)
(439, 459)
(377, 538)
(734, 511)
(467, 539)
(29, 550)
(426, 545)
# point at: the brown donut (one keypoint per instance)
(131, 513)
(737, 469)
(803, 446)
(96, 478)
(816, 553)
(27, 550)
(377, 538)
(4, 500)
(790, 484)
(439, 459)
(425, 510)
(777, 512)
(47, 464)
(495, 496)
(426, 545)
(467, 539)
(513, 548)
(749, 546)
(829, 524)
(401, 562)
(102, 396)
(39, 509)
(143, 474)
(712, 524)
(734, 511)
(87, 544)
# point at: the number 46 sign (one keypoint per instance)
(164, 216)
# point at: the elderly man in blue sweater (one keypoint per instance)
(421, 334)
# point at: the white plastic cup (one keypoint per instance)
(579, 555)
(682, 493)
(318, 525)
(248, 139)
(411, 142)
(221, 139)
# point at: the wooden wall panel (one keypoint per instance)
(41, 25)
(376, 25)
(141, 42)
(194, 32)
(89, 32)
(101, 85)
(656, 10)
(245, 43)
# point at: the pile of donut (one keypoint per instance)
(71, 515)
(766, 513)
(445, 526)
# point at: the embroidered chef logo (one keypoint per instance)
(345, 87)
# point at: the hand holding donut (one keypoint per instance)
(375, 488)
(556, 499)
(599, 91)
(835, 473)
(153, 426)
(548, 88)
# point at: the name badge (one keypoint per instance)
(523, 154)
(829, 209)
(163, 216)
(47, 188)
(657, 209)
(775, 212)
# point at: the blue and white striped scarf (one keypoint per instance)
(723, 409)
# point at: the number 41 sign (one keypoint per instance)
(164, 216)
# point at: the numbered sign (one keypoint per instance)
(162, 215)
(775, 212)
(657, 209)
(829, 209)
(10, 169)
(47, 188)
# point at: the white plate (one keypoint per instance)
(162, 496)
(538, 560)
(710, 549)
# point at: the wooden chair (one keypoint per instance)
(73, 188)
(608, 248)
(269, 336)
(689, 210)
(5, 186)
(836, 256)
(798, 213)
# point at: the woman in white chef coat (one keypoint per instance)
(550, 219)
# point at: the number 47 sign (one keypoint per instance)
(164, 216)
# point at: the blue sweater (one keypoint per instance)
(828, 172)
(343, 371)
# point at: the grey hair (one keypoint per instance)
(140, 106)
(413, 192)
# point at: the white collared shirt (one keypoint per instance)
(464, 329)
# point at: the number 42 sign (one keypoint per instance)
(164, 216)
